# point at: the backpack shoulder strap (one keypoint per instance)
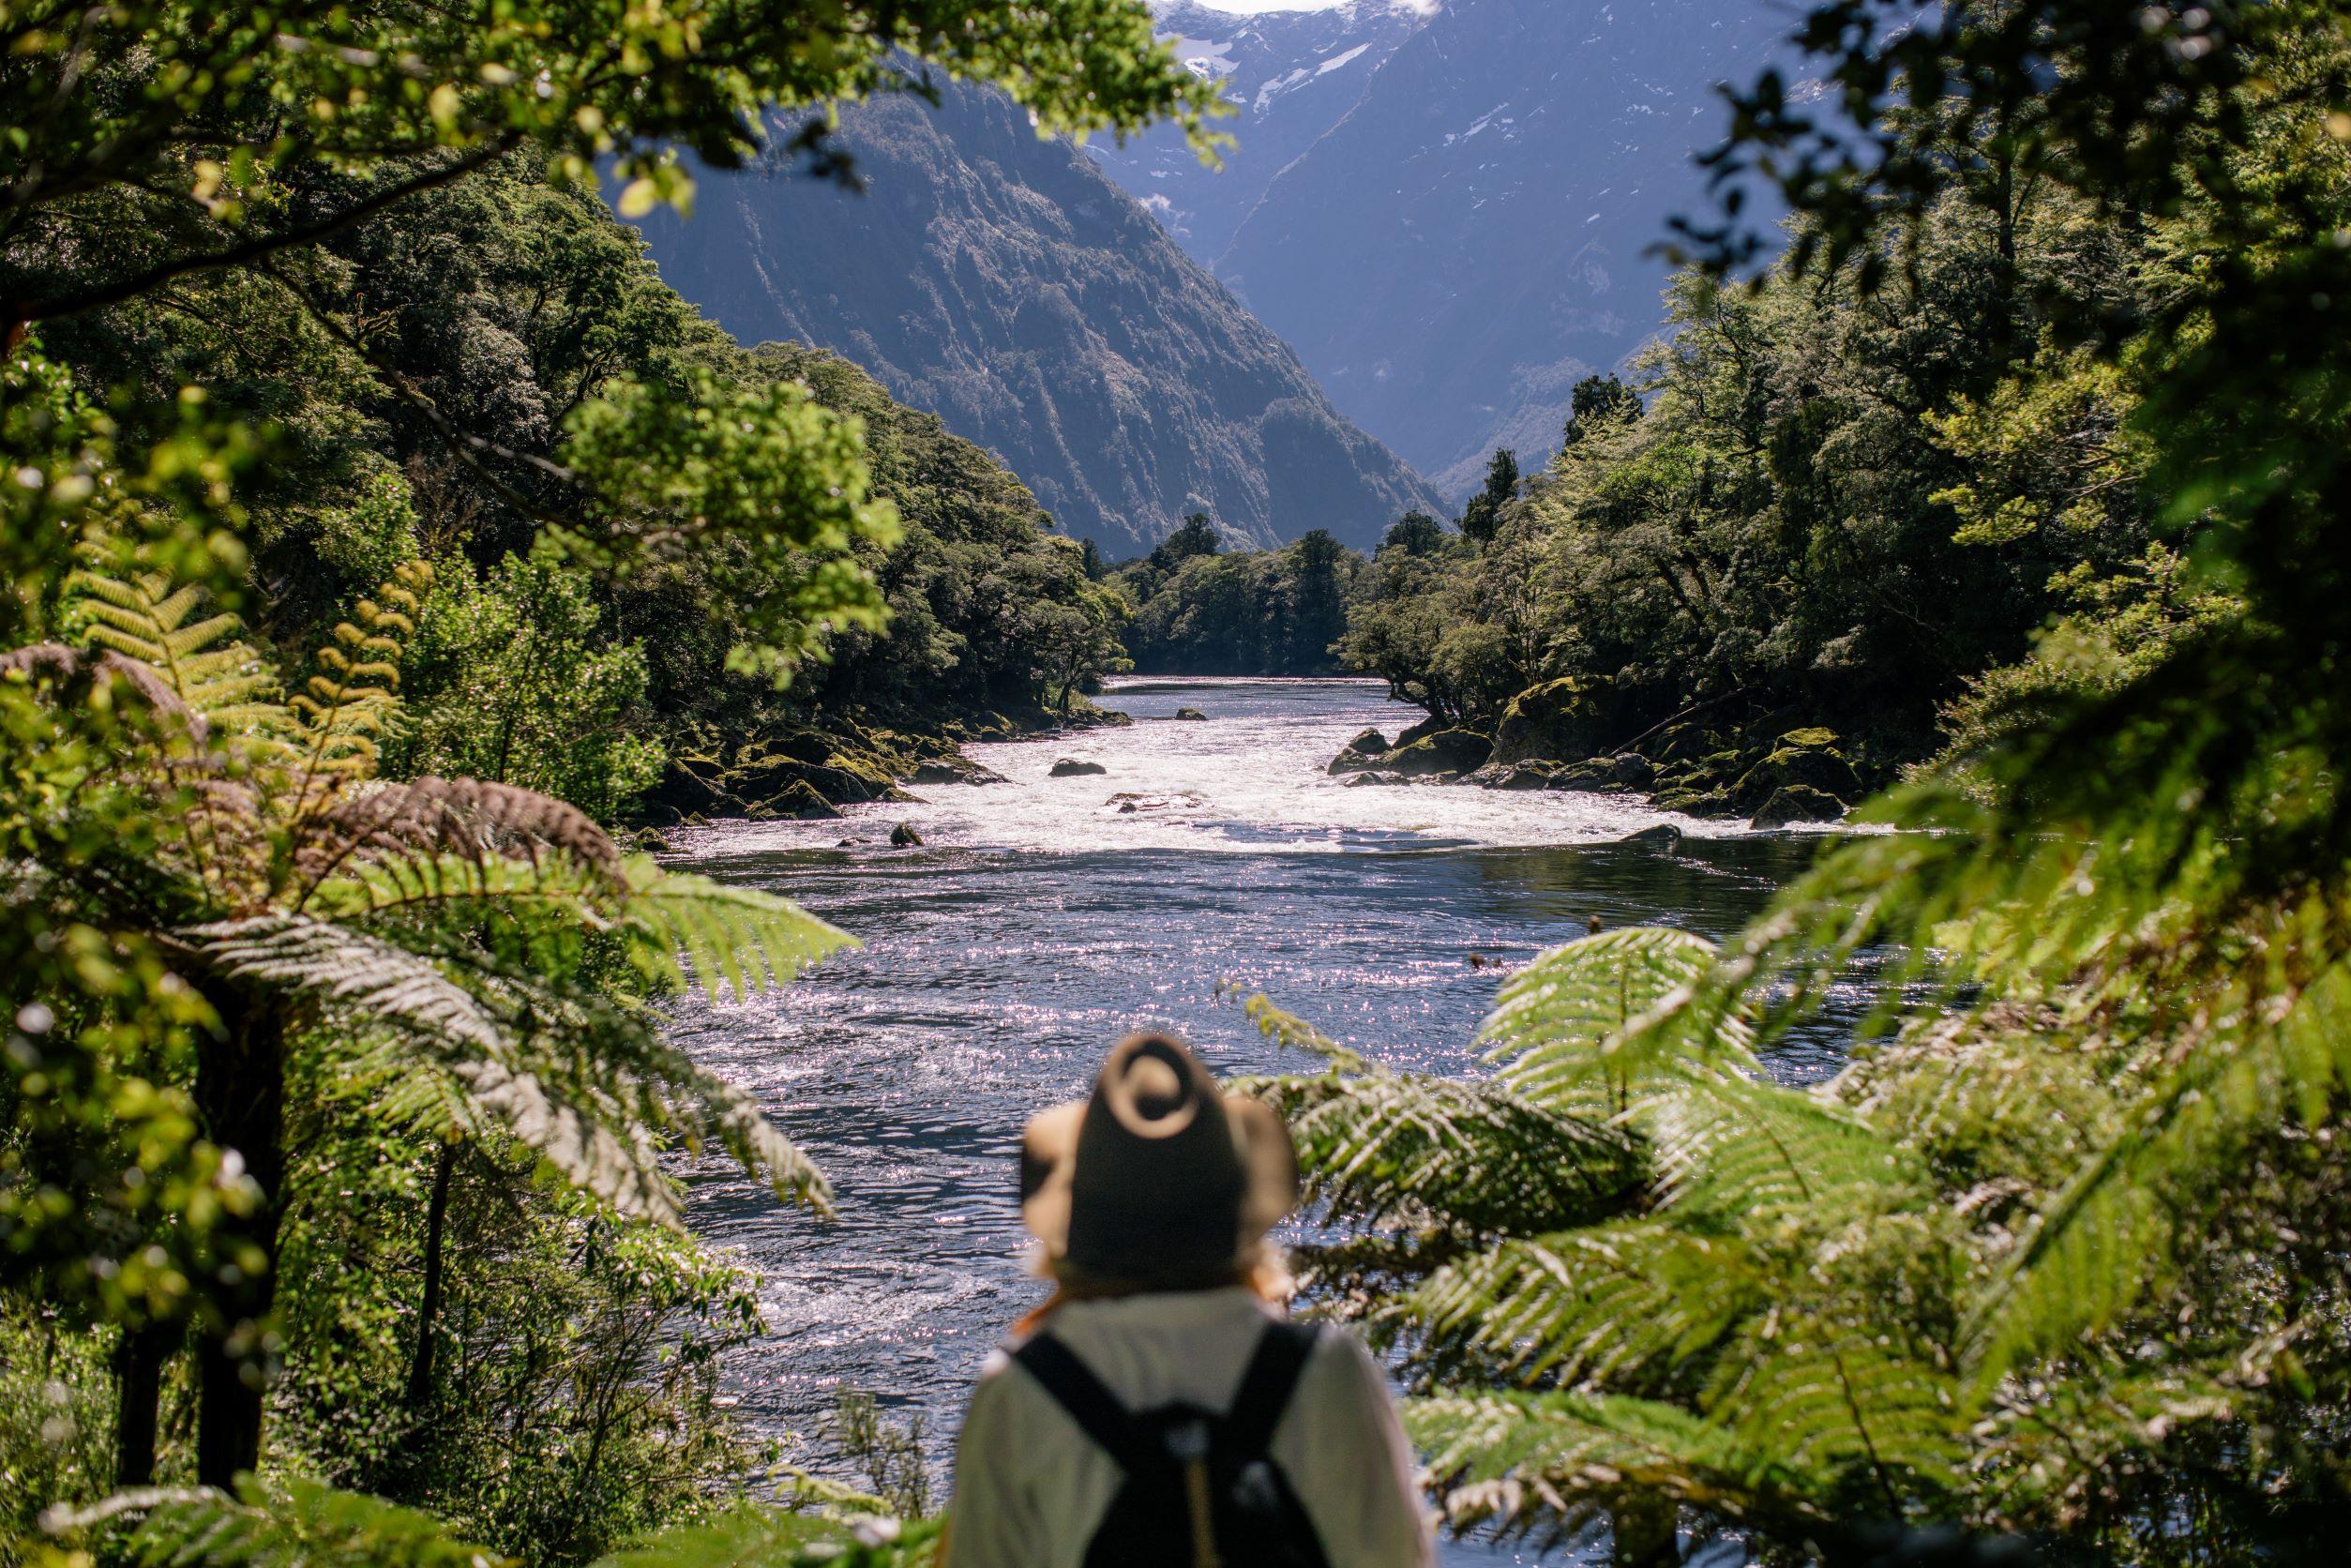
(1266, 1388)
(1079, 1392)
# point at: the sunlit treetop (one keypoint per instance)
(228, 131)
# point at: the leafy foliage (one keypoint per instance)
(1200, 610)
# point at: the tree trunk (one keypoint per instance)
(428, 1308)
(139, 1356)
(241, 1094)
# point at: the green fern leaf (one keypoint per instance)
(1594, 1304)
(2114, 1233)
(687, 927)
(1473, 1157)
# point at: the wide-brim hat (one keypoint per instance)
(1159, 1175)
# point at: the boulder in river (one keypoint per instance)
(1799, 803)
(1805, 759)
(903, 836)
(1571, 717)
(1375, 777)
(1665, 836)
(1069, 768)
(1447, 751)
(1189, 713)
(953, 770)
(1371, 743)
(798, 800)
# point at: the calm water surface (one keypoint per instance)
(1042, 921)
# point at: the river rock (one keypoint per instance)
(1571, 717)
(1371, 743)
(1521, 776)
(903, 836)
(953, 770)
(1129, 801)
(1806, 758)
(1377, 777)
(1190, 713)
(799, 800)
(1447, 751)
(1799, 803)
(1067, 768)
(1663, 836)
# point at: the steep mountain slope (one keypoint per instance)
(1289, 76)
(1468, 239)
(1007, 285)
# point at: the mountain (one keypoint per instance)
(1289, 76)
(1466, 238)
(1004, 283)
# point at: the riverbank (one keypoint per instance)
(810, 772)
(1770, 770)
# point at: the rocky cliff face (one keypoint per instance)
(1006, 284)
(1465, 239)
(1289, 76)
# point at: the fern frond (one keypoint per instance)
(345, 708)
(1592, 1303)
(2113, 1235)
(1515, 1458)
(294, 1524)
(221, 681)
(1473, 1157)
(1739, 1149)
(1843, 1406)
(685, 925)
(438, 838)
(1586, 1025)
(584, 1134)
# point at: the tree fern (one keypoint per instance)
(2111, 1236)
(1525, 1458)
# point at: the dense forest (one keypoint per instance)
(379, 533)
(1199, 608)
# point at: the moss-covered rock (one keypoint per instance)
(1810, 762)
(1799, 803)
(1561, 720)
(1447, 751)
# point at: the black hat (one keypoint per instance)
(1160, 1176)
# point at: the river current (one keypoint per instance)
(1041, 920)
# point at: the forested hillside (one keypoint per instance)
(1001, 281)
(1812, 513)
(380, 532)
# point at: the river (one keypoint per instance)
(1040, 922)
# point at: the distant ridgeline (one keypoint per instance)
(1004, 283)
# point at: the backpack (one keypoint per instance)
(1202, 1489)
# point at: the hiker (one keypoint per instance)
(1160, 1408)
